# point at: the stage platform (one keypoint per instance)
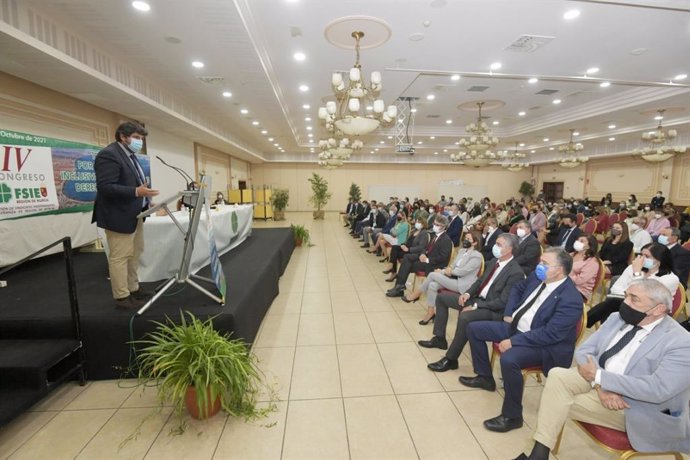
(35, 303)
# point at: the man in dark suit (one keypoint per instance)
(379, 221)
(658, 200)
(362, 213)
(539, 329)
(455, 226)
(670, 237)
(529, 250)
(349, 210)
(436, 255)
(484, 300)
(122, 192)
(568, 233)
(492, 232)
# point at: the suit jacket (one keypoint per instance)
(380, 220)
(657, 202)
(466, 272)
(350, 209)
(116, 206)
(655, 380)
(417, 244)
(439, 255)
(681, 263)
(455, 230)
(574, 235)
(497, 297)
(488, 245)
(528, 253)
(554, 326)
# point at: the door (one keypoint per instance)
(553, 191)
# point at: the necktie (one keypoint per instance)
(565, 237)
(137, 168)
(431, 245)
(521, 312)
(618, 346)
(488, 278)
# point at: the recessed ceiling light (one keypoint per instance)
(307, 118)
(522, 114)
(303, 88)
(306, 106)
(430, 97)
(255, 123)
(455, 77)
(263, 131)
(376, 149)
(576, 133)
(605, 84)
(522, 144)
(495, 66)
(612, 126)
(612, 138)
(533, 80)
(309, 128)
(197, 64)
(495, 123)
(551, 148)
(681, 76)
(556, 101)
(244, 111)
(310, 135)
(546, 139)
(390, 137)
(227, 94)
(419, 142)
(449, 121)
(299, 56)
(432, 137)
(270, 139)
(413, 110)
(141, 6)
(369, 108)
(457, 143)
(571, 14)
(371, 151)
(532, 151)
(382, 142)
(592, 70)
(435, 153)
(276, 145)
(445, 150)
(659, 117)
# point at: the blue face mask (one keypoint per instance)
(136, 144)
(540, 271)
(496, 251)
(663, 239)
(648, 263)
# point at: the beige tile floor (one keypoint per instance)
(351, 380)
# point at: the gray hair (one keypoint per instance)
(512, 240)
(656, 291)
(564, 259)
(675, 232)
(442, 220)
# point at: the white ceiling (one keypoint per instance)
(121, 61)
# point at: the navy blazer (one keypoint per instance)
(528, 253)
(554, 327)
(455, 230)
(116, 206)
(681, 263)
(487, 245)
(574, 235)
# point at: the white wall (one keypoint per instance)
(176, 151)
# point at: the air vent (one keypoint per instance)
(212, 80)
(478, 89)
(547, 92)
(529, 43)
(433, 116)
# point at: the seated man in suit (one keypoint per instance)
(484, 300)
(380, 217)
(568, 233)
(436, 255)
(368, 220)
(455, 225)
(349, 210)
(529, 250)
(632, 375)
(670, 237)
(492, 232)
(538, 329)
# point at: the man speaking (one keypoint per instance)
(122, 192)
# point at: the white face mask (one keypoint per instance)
(418, 225)
(578, 246)
(438, 229)
(521, 232)
(431, 210)
(490, 229)
(658, 216)
(646, 208)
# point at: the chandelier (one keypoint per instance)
(335, 150)
(348, 113)
(475, 150)
(569, 151)
(514, 158)
(658, 152)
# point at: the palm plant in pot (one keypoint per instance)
(320, 194)
(193, 365)
(280, 201)
(300, 234)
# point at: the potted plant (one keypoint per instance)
(280, 201)
(355, 192)
(320, 194)
(300, 234)
(193, 365)
(526, 189)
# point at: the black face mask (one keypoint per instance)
(630, 315)
(466, 244)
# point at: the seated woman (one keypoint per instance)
(397, 236)
(415, 244)
(654, 262)
(220, 199)
(616, 250)
(457, 277)
(585, 265)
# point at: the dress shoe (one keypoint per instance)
(142, 294)
(503, 424)
(444, 364)
(365, 245)
(406, 300)
(424, 322)
(129, 303)
(397, 291)
(391, 279)
(435, 342)
(521, 457)
(485, 383)
(384, 260)
(389, 271)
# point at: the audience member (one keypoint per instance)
(670, 237)
(491, 232)
(616, 250)
(658, 201)
(638, 235)
(568, 233)
(414, 244)
(537, 220)
(455, 225)
(585, 265)
(529, 250)
(657, 223)
(379, 219)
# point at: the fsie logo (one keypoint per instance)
(5, 193)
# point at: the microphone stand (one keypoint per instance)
(187, 179)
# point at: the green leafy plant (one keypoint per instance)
(526, 189)
(355, 192)
(176, 357)
(301, 235)
(320, 194)
(281, 197)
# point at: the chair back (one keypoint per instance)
(481, 267)
(598, 281)
(673, 222)
(591, 226)
(623, 215)
(613, 218)
(602, 224)
(580, 217)
(513, 229)
(678, 301)
(580, 329)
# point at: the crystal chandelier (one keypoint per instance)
(354, 98)
(569, 151)
(515, 158)
(475, 150)
(335, 150)
(658, 151)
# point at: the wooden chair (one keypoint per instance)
(679, 302)
(602, 224)
(580, 217)
(590, 226)
(623, 215)
(513, 229)
(613, 219)
(480, 272)
(597, 284)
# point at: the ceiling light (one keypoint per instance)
(658, 151)
(419, 142)
(244, 111)
(270, 139)
(430, 97)
(556, 101)
(435, 153)
(495, 66)
(522, 114)
(522, 144)
(569, 151)
(276, 145)
(382, 142)
(255, 123)
(457, 143)
(306, 106)
(307, 118)
(390, 137)
(551, 148)
(455, 77)
(612, 126)
(369, 108)
(546, 139)
(371, 151)
(495, 123)
(449, 121)
(299, 56)
(197, 64)
(659, 117)
(376, 149)
(605, 84)
(310, 135)
(592, 70)
(532, 151)
(533, 80)
(432, 137)
(571, 14)
(263, 131)
(445, 150)
(612, 138)
(141, 6)
(475, 150)
(681, 76)
(576, 133)
(227, 94)
(413, 110)
(309, 128)
(303, 88)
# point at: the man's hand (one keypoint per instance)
(144, 190)
(504, 345)
(463, 298)
(404, 248)
(588, 370)
(447, 271)
(508, 319)
(470, 308)
(612, 401)
(423, 258)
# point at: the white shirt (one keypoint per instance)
(640, 238)
(670, 281)
(485, 291)
(525, 322)
(618, 362)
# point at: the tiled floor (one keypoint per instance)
(351, 379)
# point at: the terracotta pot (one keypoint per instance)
(193, 406)
(298, 242)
